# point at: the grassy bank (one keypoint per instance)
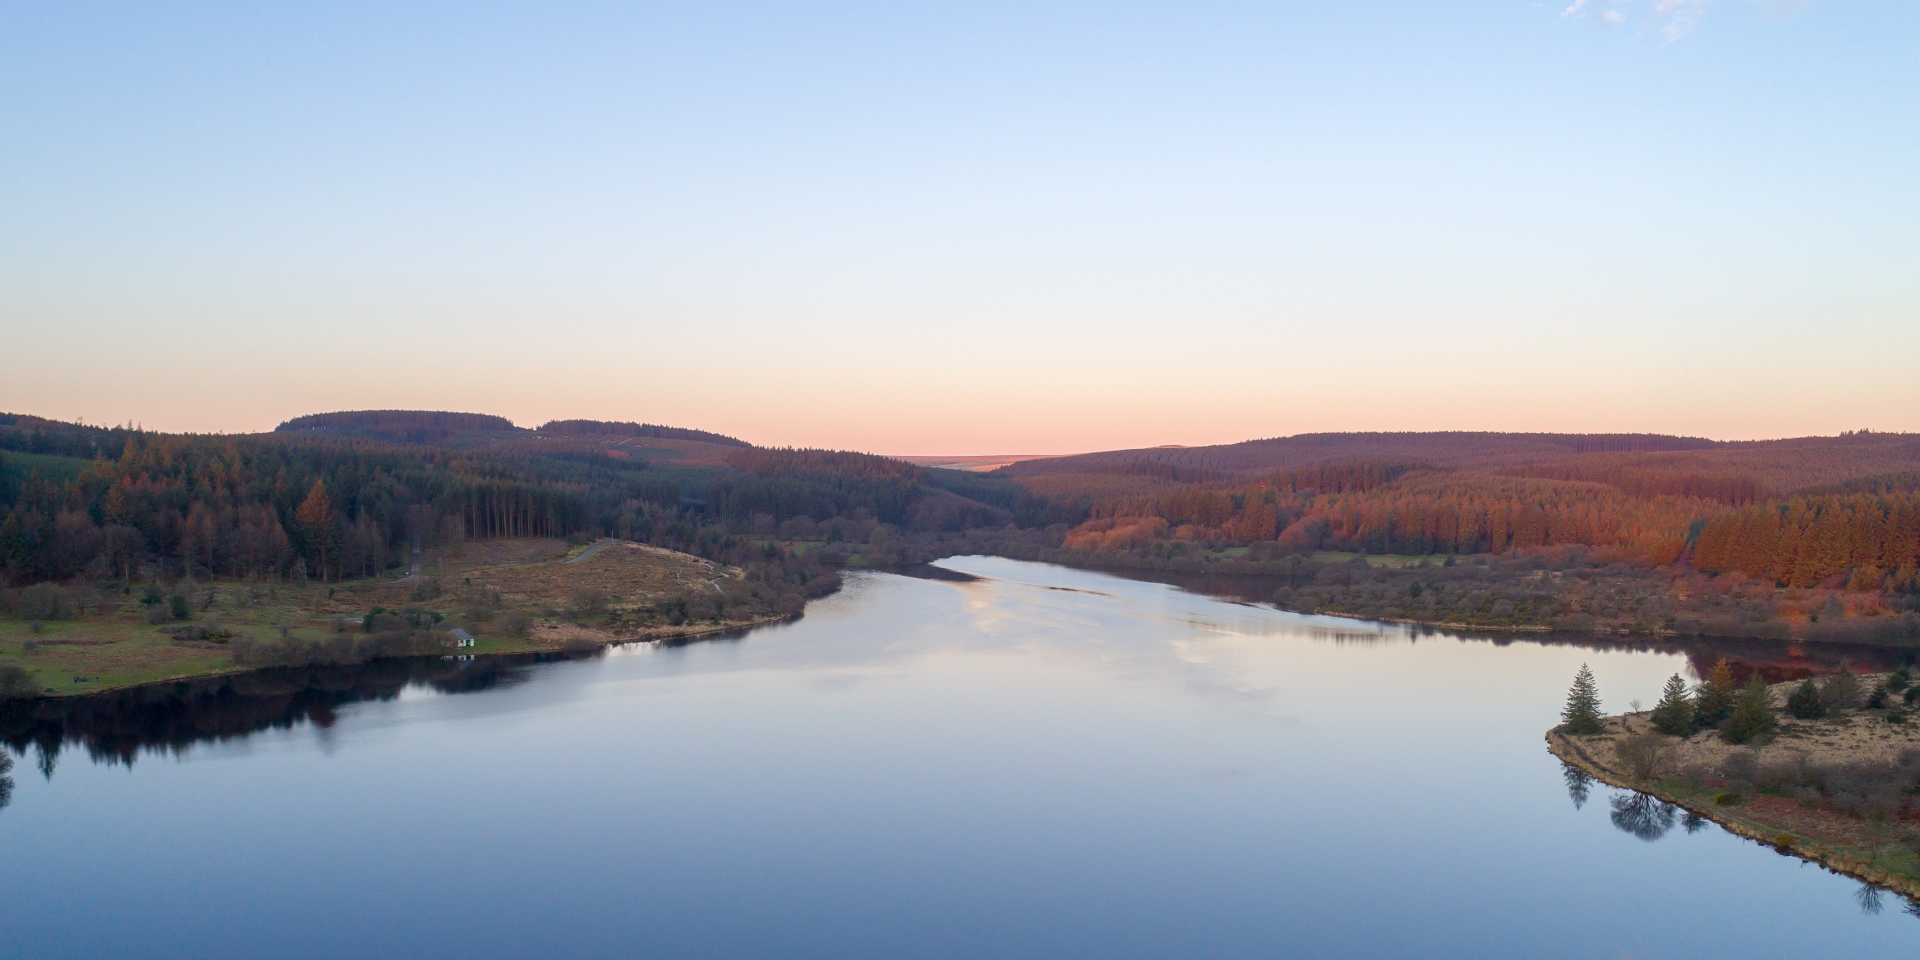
(513, 596)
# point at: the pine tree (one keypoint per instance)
(1805, 704)
(1753, 715)
(1842, 690)
(315, 516)
(1673, 715)
(1582, 715)
(1714, 698)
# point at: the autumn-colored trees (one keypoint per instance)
(257, 507)
(1866, 540)
(1803, 541)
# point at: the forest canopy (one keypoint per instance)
(349, 495)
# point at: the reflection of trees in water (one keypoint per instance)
(1694, 822)
(1777, 660)
(1643, 815)
(1869, 897)
(115, 727)
(6, 782)
(1579, 785)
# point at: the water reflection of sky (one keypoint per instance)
(1043, 762)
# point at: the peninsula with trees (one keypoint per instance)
(1824, 769)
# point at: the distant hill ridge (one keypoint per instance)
(605, 428)
(406, 426)
(437, 426)
(1451, 448)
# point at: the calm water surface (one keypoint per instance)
(1043, 763)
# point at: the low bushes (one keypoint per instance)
(337, 648)
(1871, 790)
(16, 684)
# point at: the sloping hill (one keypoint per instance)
(1440, 449)
(405, 426)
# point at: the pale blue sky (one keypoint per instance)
(975, 227)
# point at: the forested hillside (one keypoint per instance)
(1808, 534)
(317, 500)
(1818, 530)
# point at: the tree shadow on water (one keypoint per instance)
(1643, 816)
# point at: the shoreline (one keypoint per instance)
(1834, 859)
(504, 647)
(1229, 569)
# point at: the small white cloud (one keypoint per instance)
(1673, 18)
(1679, 16)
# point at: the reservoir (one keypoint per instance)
(1042, 762)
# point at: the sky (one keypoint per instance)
(968, 228)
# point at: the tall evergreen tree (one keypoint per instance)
(1714, 698)
(1673, 715)
(1753, 715)
(1582, 714)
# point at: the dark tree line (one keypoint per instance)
(299, 504)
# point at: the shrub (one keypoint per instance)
(1912, 695)
(291, 651)
(16, 684)
(1805, 704)
(1899, 680)
(1842, 689)
(1752, 717)
(158, 613)
(179, 607)
(515, 623)
(589, 602)
(1643, 755)
(385, 623)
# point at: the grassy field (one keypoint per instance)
(567, 603)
